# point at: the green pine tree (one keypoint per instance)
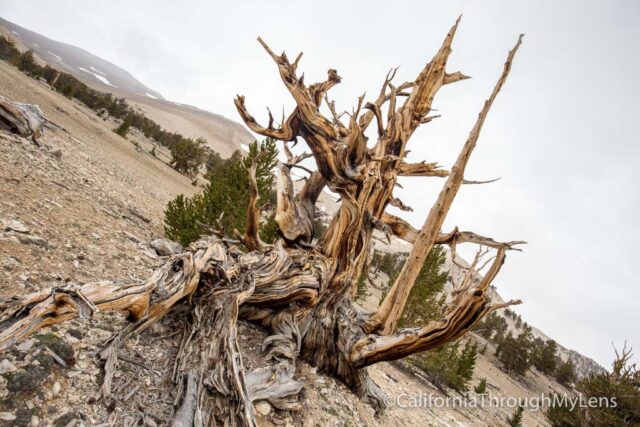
(123, 129)
(617, 394)
(515, 420)
(490, 325)
(224, 199)
(545, 357)
(481, 388)
(565, 373)
(426, 299)
(448, 365)
(187, 155)
(515, 353)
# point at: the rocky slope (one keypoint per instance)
(223, 135)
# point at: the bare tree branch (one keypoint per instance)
(393, 304)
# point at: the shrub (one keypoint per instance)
(361, 290)
(187, 156)
(448, 365)
(212, 161)
(481, 388)
(515, 420)
(8, 50)
(388, 263)
(560, 414)
(319, 228)
(224, 198)
(515, 353)
(565, 373)
(545, 357)
(124, 126)
(27, 64)
(182, 218)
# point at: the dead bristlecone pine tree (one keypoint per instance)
(300, 289)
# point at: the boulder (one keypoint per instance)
(14, 225)
(29, 239)
(165, 247)
(263, 408)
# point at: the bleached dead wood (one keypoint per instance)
(26, 120)
(302, 293)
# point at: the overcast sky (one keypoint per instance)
(563, 134)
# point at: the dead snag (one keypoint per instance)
(302, 289)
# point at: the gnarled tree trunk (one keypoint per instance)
(303, 293)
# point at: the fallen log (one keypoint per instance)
(26, 120)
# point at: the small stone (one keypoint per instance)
(57, 154)
(6, 367)
(165, 247)
(56, 388)
(131, 237)
(73, 373)
(14, 225)
(29, 239)
(263, 408)
(26, 345)
(9, 263)
(7, 416)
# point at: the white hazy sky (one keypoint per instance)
(563, 134)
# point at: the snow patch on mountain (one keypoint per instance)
(100, 77)
(55, 56)
(98, 71)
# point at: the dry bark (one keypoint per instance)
(300, 289)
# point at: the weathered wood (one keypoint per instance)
(26, 120)
(251, 238)
(299, 289)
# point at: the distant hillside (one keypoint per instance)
(223, 135)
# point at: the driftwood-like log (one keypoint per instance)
(300, 289)
(26, 120)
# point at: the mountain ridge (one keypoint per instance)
(223, 134)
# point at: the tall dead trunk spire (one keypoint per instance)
(393, 305)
